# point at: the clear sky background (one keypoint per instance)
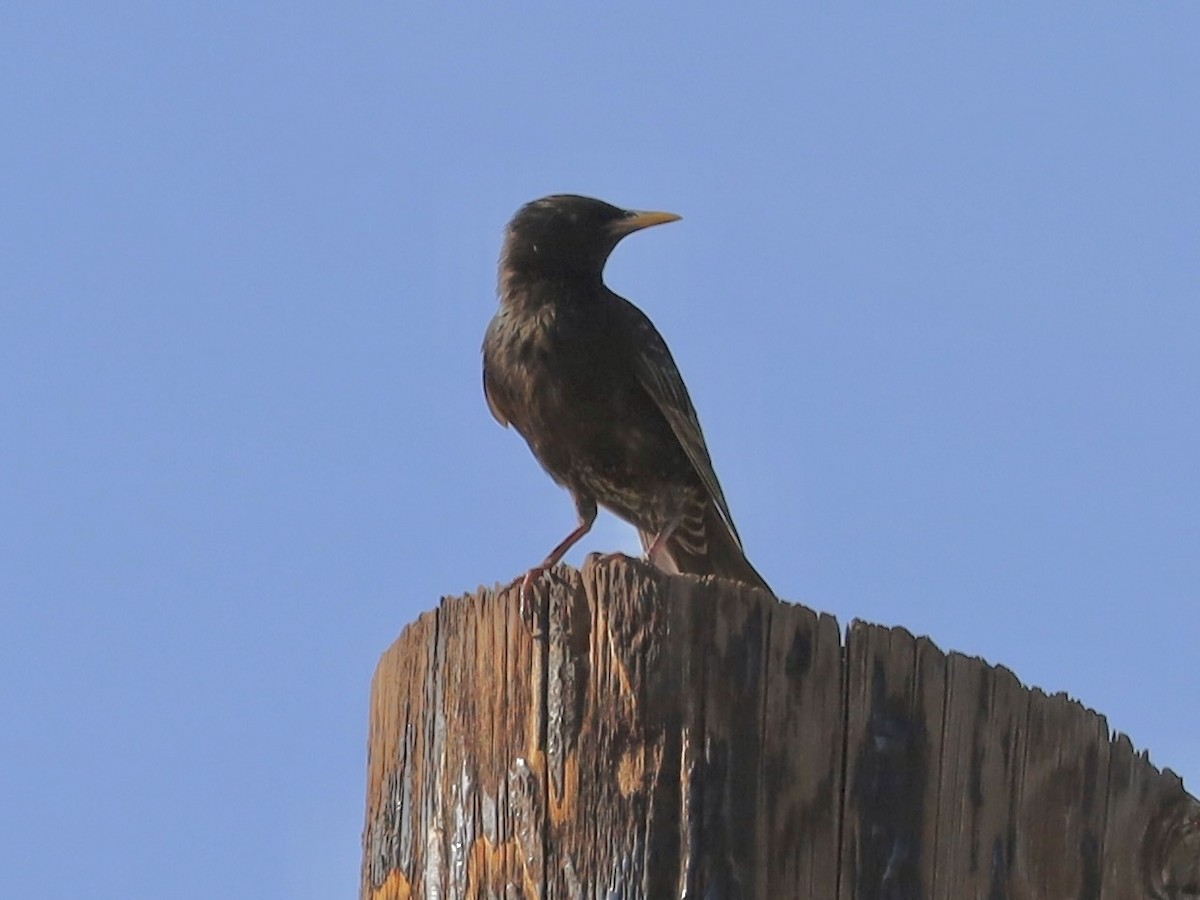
(936, 294)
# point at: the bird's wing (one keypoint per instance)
(492, 403)
(489, 393)
(659, 376)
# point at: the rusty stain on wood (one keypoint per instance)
(673, 737)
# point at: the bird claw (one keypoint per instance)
(531, 618)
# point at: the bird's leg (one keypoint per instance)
(663, 536)
(586, 507)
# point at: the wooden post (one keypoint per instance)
(671, 737)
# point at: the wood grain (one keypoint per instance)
(674, 737)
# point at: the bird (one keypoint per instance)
(586, 379)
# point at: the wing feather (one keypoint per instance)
(659, 376)
(490, 392)
(492, 403)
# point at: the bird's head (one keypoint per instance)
(566, 235)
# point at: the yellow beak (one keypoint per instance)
(637, 219)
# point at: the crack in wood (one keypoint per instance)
(674, 737)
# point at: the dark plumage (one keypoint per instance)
(589, 383)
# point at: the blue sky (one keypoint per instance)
(934, 293)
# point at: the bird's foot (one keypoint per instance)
(531, 615)
(611, 556)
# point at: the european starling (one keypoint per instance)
(585, 377)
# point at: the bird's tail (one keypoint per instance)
(721, 554)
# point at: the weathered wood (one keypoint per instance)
(670, 737)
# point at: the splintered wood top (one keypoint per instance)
(666, 736)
